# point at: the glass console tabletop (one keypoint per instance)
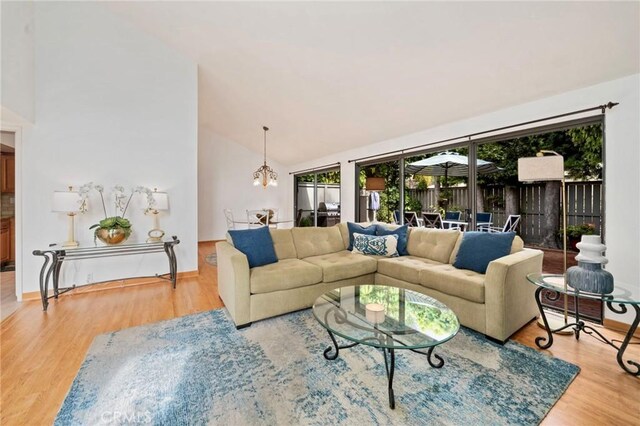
(387, 318)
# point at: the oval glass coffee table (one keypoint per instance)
(387, 318)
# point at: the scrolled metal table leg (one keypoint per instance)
(335, 347)
(390, 366)
(43, 278)
(168, 249)
(440, 362)
(632, 329)
(57, 266)
(540, 340)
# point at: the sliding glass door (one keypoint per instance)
(317, 198)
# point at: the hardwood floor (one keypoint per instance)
(42, 352)
(8, 301)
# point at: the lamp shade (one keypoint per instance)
(161, 201)
(541, 168)
(375, 184)
(65, 201)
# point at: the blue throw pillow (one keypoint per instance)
(479, 248)
(256, 244)
(401, 232)
(354, 227)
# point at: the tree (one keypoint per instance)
(581, 148)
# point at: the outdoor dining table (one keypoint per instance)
(449, 224)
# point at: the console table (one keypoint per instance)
(619, 301)
(55, 256)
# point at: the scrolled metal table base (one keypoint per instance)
(580, 326)
(389, 358)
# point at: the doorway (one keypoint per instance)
(8, 296)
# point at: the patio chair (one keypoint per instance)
(257, 218)
(509, 226)
(451, 216)
(432, 220)
(411, 219)
(483, 221)
(396, 217)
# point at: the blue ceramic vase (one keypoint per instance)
(590, 277)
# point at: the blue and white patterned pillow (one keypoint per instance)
(386, 245)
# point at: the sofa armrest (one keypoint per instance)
(509, 297)
(233, 282)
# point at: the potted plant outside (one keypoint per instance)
(575, 233)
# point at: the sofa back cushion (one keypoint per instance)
(516, 246)
(317, 241)
(283, 243)
(433, 244)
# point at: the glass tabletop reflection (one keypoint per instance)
(386, 317)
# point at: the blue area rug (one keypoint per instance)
(200, 370)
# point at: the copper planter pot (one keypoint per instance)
(112, 236)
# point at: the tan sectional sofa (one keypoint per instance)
(312, 261)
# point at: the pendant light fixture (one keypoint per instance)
(265, 175)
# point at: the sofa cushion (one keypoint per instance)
(400, 231)
(284, 275)
(386, 246)
(343, 265)
(479, 248)
(516, 246)
(317, 241)
(354, 227)
(433, 244)
(283, 243)
(405, 268)
(256, 244)
(461, 283)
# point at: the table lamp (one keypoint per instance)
(67, 202)
(550, 167)
(161, 202)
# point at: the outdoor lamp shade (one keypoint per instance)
(65, 201)
(161, 201)
(541, 168)
(375, 184)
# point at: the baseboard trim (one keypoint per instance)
(620, 327)
(109, 285)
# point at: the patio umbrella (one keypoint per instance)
(448, 164)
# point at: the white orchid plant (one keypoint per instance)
(122, 200)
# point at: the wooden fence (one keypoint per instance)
(584, 205)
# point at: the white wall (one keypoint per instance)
(622, 174)
(113, 106)
(225, 181)
(18, 58)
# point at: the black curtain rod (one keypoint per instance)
(326, 166)
(602, 108)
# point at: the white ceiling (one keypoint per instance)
(326, 77)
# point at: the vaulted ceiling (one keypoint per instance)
(327, 76)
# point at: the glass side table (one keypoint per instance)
(618, 302)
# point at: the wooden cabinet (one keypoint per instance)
(5, 240)
(7, 173)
